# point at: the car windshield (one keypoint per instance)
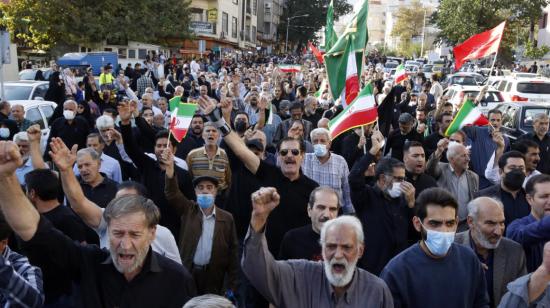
(530, 115)
(464, 80)
(427, 68)
(17, 92)
(391, 65)
(534, 87)
(490, 97)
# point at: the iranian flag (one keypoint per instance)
(290, 68)
(400, 74)
(322, 88)
(468, 115)
(181, 120)
(362, 111)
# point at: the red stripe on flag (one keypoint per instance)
(360, 118)
(352, 88)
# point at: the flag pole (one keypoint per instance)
(363, 135)
(493, 66)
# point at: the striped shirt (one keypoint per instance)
(20, 282)
(200, 164)
(333, 173)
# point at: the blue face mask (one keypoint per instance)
(320, 150)
(205, 200)
(439, 242)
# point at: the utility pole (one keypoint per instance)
(423, 32)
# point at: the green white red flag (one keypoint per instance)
(322, 88)
(400, 74)
(290, 68)
(173, 103)
(468, 115)
(362, 111)
(181, 120)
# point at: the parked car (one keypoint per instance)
(30, 74)
(517, 118)
(25, 90)
(524, 89)
(38, 112)
(390, 65)
(464, 79)
(457, 94)
(427, 69)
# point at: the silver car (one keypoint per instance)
(25, 90)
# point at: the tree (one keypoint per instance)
(42, 24)
(303, 29)
(409, 24)
(534, 52)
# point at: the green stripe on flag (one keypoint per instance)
(187, 109)
(458, 121)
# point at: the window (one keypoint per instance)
(47, 110)
(107, 49)
(530, 115)
(254, 6)
(40, 91)
(234, 27)
(142, 53)
(225, 23)
(543, 21)
(247, 33)
(122, 53)
(508, 117)
(534, 87)
(82, 49)
(35, 117)
(131, 53)
(253, 35)
(502, 85)
(196, 14)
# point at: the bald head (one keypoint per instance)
(486, 222)
(323, 123)
(483, 205)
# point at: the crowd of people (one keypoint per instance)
(258, 205)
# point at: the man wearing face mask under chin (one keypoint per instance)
(70, 128)
(451, 272)
(510, 191)
(384, 209)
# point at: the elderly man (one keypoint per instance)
(106, 277)
(335, 282)
(540, 136)
(18, 115)
(71, 129)
(288, 178)
(208, 239)
(327, 168)
(97, 187)
(5, 121)
(451, 272)
(502, 258)
(164, 242)
(398, 137)
(109, 166)
(303, 242)
(210, 160)
(510, 191)
(384, 208)
(533, 231)
(29, 148)
(454, 176)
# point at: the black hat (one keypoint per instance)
(255, 143)
(201, 178)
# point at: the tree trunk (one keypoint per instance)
(532, 32)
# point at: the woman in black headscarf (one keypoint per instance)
(56, 93)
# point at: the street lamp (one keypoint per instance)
(287, 24)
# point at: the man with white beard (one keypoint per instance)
(336, 282)
(107, 278)
(502, 258)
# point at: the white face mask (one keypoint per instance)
(4, 132)
(395, 190)
(68, 114)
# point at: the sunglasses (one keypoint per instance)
(284, 152)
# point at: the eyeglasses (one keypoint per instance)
(284, 152)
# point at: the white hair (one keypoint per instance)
(70, 101)
(345, 220)
(20, 136)
(209, 301)
(319, 131)
(104, 121)
(453, 148)
(88, 151)
(477, 203)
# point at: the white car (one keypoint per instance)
(25, 90)
(525, 89)
(38, 112)
(458, 93)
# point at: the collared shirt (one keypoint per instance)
(102, 194)
(23, 170)
(20, 282)
(160, 283)
(23, 125)
(532, 234)
(218, 167)
(333, 173)
(204, 247)
(109, 166)
(142, 83)
(544, 146)
(301, 283)
(461, 191)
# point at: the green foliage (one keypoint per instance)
(43, 23)
(409, 21)
(533, 52)
(408, 49)
(303, 29)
